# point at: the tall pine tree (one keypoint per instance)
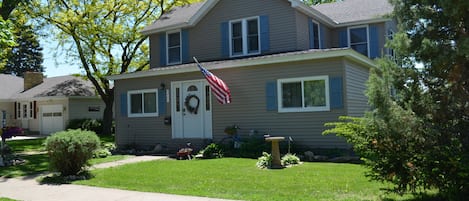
(27, 54)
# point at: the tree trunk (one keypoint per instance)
(108, 115)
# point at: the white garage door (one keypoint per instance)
(52, 119)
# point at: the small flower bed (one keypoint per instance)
(10, 132)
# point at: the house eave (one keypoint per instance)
(190, 23)
(341, 53)
(362, 22)
(296, 4)
(168, 28)
(311, 12)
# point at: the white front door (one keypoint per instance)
(24, 115)
(51, 119)
(191, 109)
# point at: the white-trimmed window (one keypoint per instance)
(359, 39)
(316, 39)
(24, 110)
(173, 47)
(305, 94)
(245, 37)
(143, 103)
(390, 51)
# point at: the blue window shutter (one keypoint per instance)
(271, 96)
(161, 102)
(265, 36)
(311, 33)
(336, 92)
(185, 46)
(225, 40)
(321, 37)
(374, 41)
(162, 49)
(343, 40)
(123, 104)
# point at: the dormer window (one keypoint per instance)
(358, 37)
(244, 37)
(173, 48)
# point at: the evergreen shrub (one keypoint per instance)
(69, 151)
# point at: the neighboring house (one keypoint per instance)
(45, 105)
(291, 68)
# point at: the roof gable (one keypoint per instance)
(332, 14)
(182, 16)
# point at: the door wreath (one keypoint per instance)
(190, 108)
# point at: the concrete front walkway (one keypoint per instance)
(29, 189)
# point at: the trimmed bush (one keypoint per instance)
(69, 151)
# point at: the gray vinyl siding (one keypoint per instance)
(334, 37)
(248, 107)
(146, 131)
(205, 37)
(327, 37)
(154, 42)
(79, 108)
(205, 41)
(382, 37)
(302, 31)
(355, 82)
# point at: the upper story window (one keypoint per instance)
(244, 37)
(304, 94)
(390, 51)
(173, 47)
(359, 40)
(315, 38)
(143, 103)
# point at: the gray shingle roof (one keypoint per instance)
(59, 86)
(340, 12)
(10, 85)
(355, 10)
(176, 16)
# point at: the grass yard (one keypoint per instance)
(6, 199)
(24, 146)
(234, 178)
(37, 161)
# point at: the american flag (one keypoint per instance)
(218, 87)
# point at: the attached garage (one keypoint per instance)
(52, 119)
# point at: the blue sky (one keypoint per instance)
(55, 66)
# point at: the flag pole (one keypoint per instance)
(195, 59)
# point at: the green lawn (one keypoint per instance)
(33, 145)
(6, 199)
(234, 178)
(37, 161)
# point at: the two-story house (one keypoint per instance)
(290, 67)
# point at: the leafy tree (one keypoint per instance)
(103, 36)
(436, 34)
(418, 137)
(315, 2)
(6, 40)
(8, 6)
(27, 54)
